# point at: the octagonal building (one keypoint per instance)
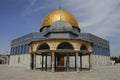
(59, 46)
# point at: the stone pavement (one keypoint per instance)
(100, 73)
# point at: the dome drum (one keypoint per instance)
(45, 29)
(59, 14)
(60, 26)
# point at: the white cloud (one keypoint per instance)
(100, 17)
(33, 7)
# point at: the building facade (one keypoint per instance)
(59, 46)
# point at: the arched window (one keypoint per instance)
(98, 50)
(43, 47)
(25, 48)
(94, 50)
(18, 49)
(103, 51)
(83, 47)
(15, 50)
(65, 45)
(107, 51)
(23, 51)
(11, 51)
(22, 47)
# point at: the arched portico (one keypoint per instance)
(40, 51)
(65, 45)
(44, 46)
(60, 52)
(85, 52)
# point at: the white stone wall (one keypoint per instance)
(20, 60)
(98, 60)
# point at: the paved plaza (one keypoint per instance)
(100, 73)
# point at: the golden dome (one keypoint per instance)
(57, 15)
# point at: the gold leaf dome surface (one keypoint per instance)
(58, 14)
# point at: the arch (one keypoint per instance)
(21, 49)
(24, 49)
(65, 45)
(25, 46)
(13, 50)
(83, 47)
(18, 49)
(43, 46)
(27, 49)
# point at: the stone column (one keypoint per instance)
(90, 62)
(46, 63)
(77, 64)
(80, 62)
(42, 61)
(55, 62)
(34, 60)
(53, 58)
(67, 62)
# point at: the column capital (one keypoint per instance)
(33, 52)
(52, 48)
(76, 50)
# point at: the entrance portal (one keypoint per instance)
(60, 61)
(60, 66)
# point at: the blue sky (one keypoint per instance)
(99, 17)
